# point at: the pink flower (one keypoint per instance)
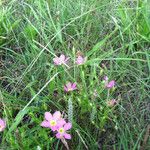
(52, 121)
(70, 87)
(62, 131)
(2, 125)
(61, 60)
(80, 60)
(105, 78)
(110, 84)
(111, 103)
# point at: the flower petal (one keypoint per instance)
(65, 89)
(45, 124)
(2, 124)
(67, 59)
(105, 78)
(111, 103)
(61, 123)
(80, 60)
(62, 57)
(67, 136)
(56, 61)
(74, 86)
(57, 115)
(69, 85)
(67, 126)
(53, 128)
(58, 136)
(111, 84)
(48, 116)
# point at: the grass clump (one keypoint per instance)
(112, 36)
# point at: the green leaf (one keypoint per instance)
(96, 47)
(18, 119)
(100, 44)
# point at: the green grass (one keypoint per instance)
(115, 37)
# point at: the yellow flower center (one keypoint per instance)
(61, 130)
(70, 89)
(53, 123)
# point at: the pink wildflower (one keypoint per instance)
(62, 131)
(61, 60)
(111, 103)
(52, 121)
(70, 87)
(105, 78)
(2, 125)
(110, 84)
(80, 60)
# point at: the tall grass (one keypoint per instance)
(114, 35)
